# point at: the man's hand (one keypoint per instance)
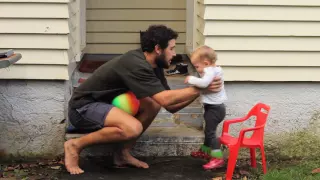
(216, 85)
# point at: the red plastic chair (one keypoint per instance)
(261, 111)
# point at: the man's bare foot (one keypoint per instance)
(71, 158)
(127, 159)
(118, 160)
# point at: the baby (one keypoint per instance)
(204, 60)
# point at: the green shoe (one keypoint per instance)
(216, 154)
(205, 149)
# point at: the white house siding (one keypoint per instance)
(37, 29)
(259, 40)
(113, 25)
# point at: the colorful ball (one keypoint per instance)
(127, 102)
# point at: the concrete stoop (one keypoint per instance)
(156, 141)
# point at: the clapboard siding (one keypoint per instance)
(27, 71)
(119, 48)
(131, 26)
(113, 26)
(275, 74)
(136, 4)
(34, 41)
(260, 13)
(263, 2)
(137, 14)
(33, 10)
(43, 56)
(268, 58)
(34, 26)
(263, 28)
(36, 1)
(39, 30)
(249, 43)
(259, 40)
(101, 38)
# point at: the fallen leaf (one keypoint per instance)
(56, 167)
(8, 169)
(32, 173)
(18, 172)
(33, 165)
(24, 166)
(243, 172)
(10, 174)
(245, 178)
(316, 171)
(42, 163)
(237, 176)
(217, 178)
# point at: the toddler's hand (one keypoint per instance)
(187, 79)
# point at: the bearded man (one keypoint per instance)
(139, 71)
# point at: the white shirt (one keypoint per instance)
(209, 74)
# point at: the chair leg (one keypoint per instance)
(253, 157)
(263, 157)
(232, 162)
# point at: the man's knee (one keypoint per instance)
(132, 130)
(150, 105)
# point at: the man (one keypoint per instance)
(139, 71)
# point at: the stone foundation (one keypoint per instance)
(32, 118)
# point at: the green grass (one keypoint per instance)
(300, 170)
(280, 170)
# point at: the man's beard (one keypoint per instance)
(161, 61)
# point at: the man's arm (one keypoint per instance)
(173, 97)
(177, 107)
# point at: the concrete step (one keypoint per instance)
(156, 141)
(191, 116)
(194, 120)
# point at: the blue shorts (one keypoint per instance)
(90, 117)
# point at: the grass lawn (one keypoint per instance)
(296, 171)
(288, 170)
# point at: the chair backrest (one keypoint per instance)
(260, 111)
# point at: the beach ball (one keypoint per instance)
(127, 102)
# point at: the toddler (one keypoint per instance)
(204, 60)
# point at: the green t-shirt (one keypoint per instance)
(128, 72)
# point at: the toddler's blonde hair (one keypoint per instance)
(204, 53)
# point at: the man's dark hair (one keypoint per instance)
(157, 34)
